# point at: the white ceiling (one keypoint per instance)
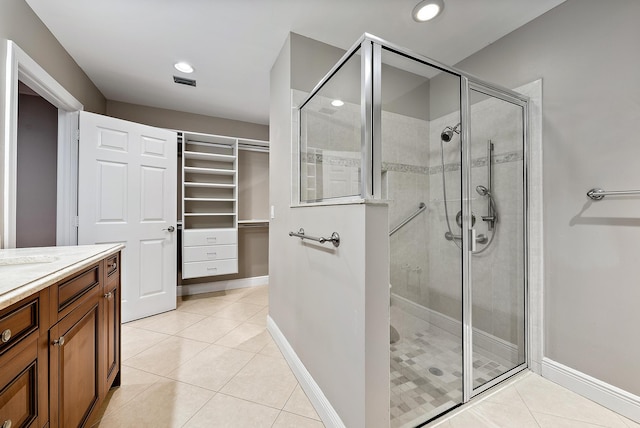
(128, 47)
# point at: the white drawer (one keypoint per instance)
(215, 252)
(200, 269)
(210, 237)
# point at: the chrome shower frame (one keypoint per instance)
(370, 48)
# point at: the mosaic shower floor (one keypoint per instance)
(426, 370)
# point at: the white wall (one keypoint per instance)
(331, 304)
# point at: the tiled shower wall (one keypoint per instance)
(406, 182)
(426, 268)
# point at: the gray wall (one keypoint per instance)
(20, 24)
(179, 120)
(586, 52)
(37, 154)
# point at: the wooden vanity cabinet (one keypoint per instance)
(60, 350)
(23, 369)
(74, 365)
(84, 343)
(111, 323)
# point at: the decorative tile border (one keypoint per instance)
(319, 158)
(400, 167)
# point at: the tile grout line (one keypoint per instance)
(197, 411)
(526, 405)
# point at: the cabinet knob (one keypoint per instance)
(59, 342)
(112, 267)
(108, 295)
(7, 424)
(6, 335)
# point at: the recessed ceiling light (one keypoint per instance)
(337, 103)
(183, 67)
(426, 10)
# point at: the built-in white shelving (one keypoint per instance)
(211, 185)
(213, 171)
(209, 205)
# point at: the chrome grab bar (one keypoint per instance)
(480, 239)
(421, 207)
(597, 194)
(334, 239)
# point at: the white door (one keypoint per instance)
(127, 193)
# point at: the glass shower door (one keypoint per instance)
(421, 179)
(497, 264)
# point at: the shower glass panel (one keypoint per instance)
(420, 102)
(330, 137)
(498, 262)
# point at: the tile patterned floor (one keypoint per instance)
(426, 370)
(210, 363)
(532, 401)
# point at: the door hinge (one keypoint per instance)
(75, 221)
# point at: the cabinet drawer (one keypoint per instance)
(200, 269)
(216, 252)
(65, 294)
(112, 265)
(19, 388)
(210, 237)
(17, 322)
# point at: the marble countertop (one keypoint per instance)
(26, 271)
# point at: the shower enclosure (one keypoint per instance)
(449, 154)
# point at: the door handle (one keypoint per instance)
(170, 228)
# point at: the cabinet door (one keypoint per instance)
(111, 328)
(74, 366)
(19, 387)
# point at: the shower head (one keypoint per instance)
(447, 133)
(482, 191)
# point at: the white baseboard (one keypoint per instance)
(609, 396)
(231, 284)
(324, 409)
(505, 351)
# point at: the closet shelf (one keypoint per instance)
(214, 171)
(209, 185)
(253, 221)
(210, 199)
(209, 156)
(209, 214)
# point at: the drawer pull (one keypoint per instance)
(7, 424)
(212, 254)
(59, 342)
(6, 336)
(212, 239)
(108, 295)
(212, 268)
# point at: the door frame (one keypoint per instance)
(20, 66)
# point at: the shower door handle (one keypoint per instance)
(472, 239)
